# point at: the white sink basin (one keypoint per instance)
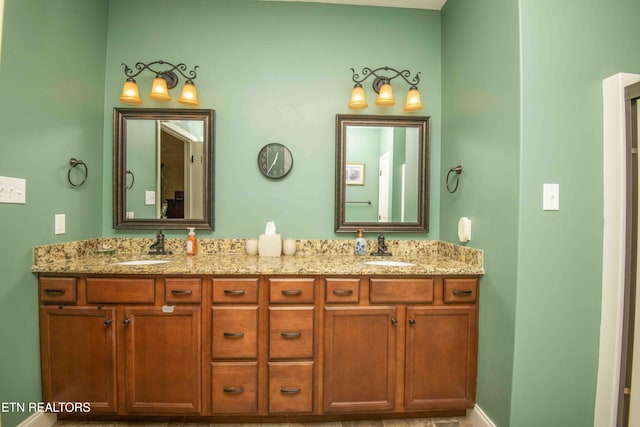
(387, 263)
(142, 262)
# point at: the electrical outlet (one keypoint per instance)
(13, 190)
(60, 224)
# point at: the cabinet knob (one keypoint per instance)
(412, 322)
(126, 322)
(394, 321)
(107, 323)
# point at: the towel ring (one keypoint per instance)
(458, 171)
(74, 162)
(133, 179)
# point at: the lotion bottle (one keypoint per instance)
(361, 243)
(192, 243)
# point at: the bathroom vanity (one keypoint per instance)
(234, 337)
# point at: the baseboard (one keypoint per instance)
(478, 418)
(39, 419)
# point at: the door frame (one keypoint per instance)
(613, 248)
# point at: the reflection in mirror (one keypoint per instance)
(382, 173)
(162, 173)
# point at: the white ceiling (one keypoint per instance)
(411, 4)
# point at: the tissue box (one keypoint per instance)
(270, 245)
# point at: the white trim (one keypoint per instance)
(478, 418)
(40, 419)
(613, 248)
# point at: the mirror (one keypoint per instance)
(382, 173)
(162, 175)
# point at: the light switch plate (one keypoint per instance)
(60, 224)
(13, 190)
(551, 197)
(149, 197)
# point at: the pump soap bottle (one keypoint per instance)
(361, 243)
(192, 243)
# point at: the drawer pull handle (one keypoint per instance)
(107, 323)
(55, 291)
(233, 334)
(293, 390)
(233, 389)
(234, 291)
(460, 293)
(291, 292)
(343, 292)
(181, 292)
(291, 335)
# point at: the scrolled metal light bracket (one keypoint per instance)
(167, 74)
(381, 79)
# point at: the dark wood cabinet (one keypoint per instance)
(78, 356)
(162, 359)
(259, 349)
(359, 359)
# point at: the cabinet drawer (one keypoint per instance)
(57, 290)
(120, 290)
(401, 290)
(229, 291)
(293, 291)
(234, 387)
(235, 332)
(460, 291)
(290, 332)
(178, 291)
(290, 387)
(342, 290)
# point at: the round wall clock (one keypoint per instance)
(275, 160)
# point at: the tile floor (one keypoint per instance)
(415, 422)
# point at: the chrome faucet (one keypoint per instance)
(158, 246)
(382, 247)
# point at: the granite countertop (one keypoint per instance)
(227, 257)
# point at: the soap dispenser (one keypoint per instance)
(361, 243)
(192, 244)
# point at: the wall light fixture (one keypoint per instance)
(166, 78)
(382, 86)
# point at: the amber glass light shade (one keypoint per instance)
(385, 96)
(358, 100)
(130, 93)
(413, 100)
(159, 90)
(189, 95)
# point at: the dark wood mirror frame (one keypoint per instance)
(419, 122)
(120, 117)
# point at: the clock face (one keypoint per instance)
(275, 160)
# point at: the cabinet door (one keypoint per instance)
(359, 359)
(162, 360)
(77, 350)
(441, 358)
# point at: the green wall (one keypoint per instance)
(481, 132)
(51, 109)
(567, 49)
(274, 72)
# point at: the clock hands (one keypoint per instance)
(274, 162)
